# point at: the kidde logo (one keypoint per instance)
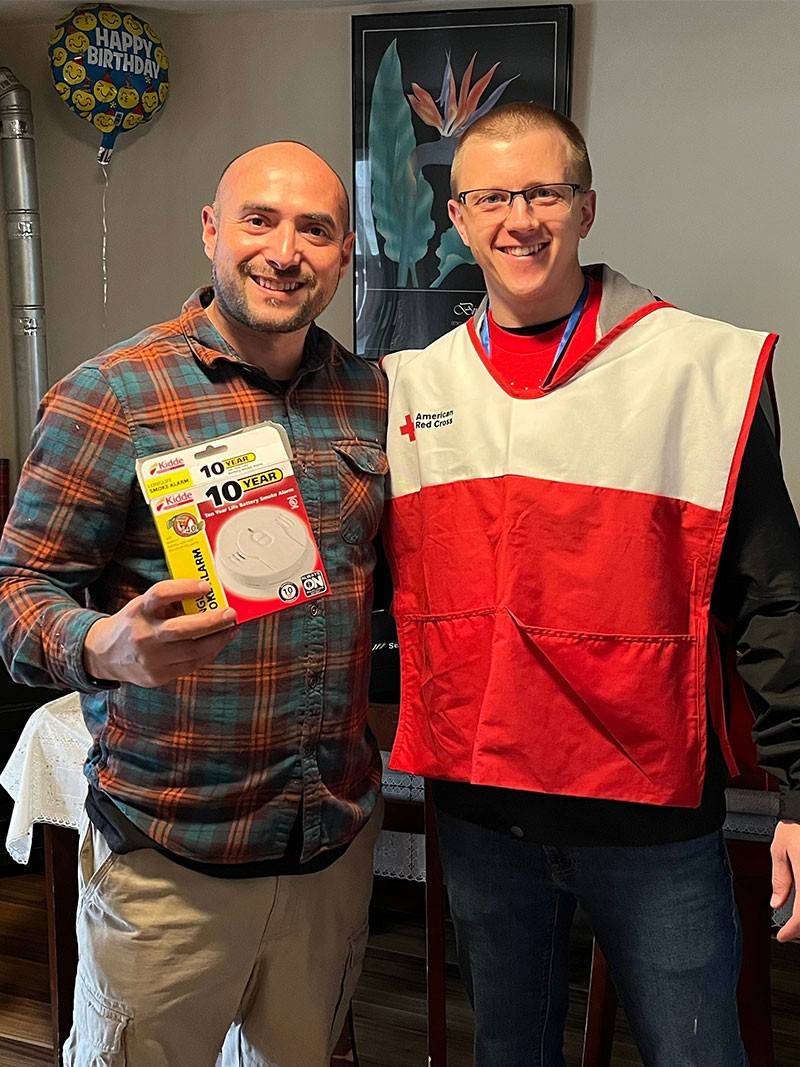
(165, 465)
(174, 500)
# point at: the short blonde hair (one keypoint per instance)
(517, 118)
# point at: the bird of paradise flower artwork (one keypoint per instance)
(402, 197)
(455, 110)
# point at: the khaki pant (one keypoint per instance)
(170, 959)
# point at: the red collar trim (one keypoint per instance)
(562, 379)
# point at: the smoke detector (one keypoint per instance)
(259, 548)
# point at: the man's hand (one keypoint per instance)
(785, 870)
(150, 642)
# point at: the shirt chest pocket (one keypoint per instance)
(361, 467)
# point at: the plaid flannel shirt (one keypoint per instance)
(214, 766)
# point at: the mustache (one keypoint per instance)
(290, 274)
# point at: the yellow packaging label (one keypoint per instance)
(256, 481)
(188, 553)
(239, 461)
(168, 483)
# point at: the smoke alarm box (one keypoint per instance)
(230, 511)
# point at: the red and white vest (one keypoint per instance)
(554, 557)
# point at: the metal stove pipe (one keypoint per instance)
(26, 282)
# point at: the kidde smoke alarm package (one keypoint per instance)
(230, 511)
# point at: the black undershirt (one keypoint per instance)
(532, 331)
(122, 836)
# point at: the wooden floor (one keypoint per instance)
(389, 1006)
(24, 993)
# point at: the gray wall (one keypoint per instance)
(690, 111)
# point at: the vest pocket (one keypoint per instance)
(595, 715)
(444, 666)
(362, 467)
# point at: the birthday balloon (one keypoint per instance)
(110, 68)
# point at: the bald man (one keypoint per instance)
(233, 802)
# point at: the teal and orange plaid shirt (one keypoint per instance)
(215, 766)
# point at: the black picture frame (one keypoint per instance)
(413, 279)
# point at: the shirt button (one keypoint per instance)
(517, 831)
(314, 610)
(313, 681)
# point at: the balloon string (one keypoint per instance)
(104, 256)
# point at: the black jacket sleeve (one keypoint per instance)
(758, 591)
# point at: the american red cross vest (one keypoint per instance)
(554, 556)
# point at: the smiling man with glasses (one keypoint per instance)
(595, 510)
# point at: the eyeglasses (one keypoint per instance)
(555, 199)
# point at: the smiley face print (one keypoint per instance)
(105, 122)
(110, 19)
(83, 100)
(132, 25)
(127, 97)
(73, 72)
(105, 91)
(150, 100)
(84, 20)
(76, 42)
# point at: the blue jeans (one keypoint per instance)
(664, 916)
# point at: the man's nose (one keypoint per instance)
(282, 251)
(520, 213)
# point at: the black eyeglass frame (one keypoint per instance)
(574, 186)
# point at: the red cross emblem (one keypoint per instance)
(408, 428)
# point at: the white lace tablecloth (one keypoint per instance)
(400, 855)
(45, 778)
(45, 773)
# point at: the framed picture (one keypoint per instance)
(419, 80)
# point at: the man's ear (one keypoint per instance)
(588, 208)
(209, 220)
(454, 210)
(347, 253)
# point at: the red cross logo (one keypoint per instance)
(408, 428)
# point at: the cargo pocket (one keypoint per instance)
(362, 468)
(354, 961)
(97, 1038)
